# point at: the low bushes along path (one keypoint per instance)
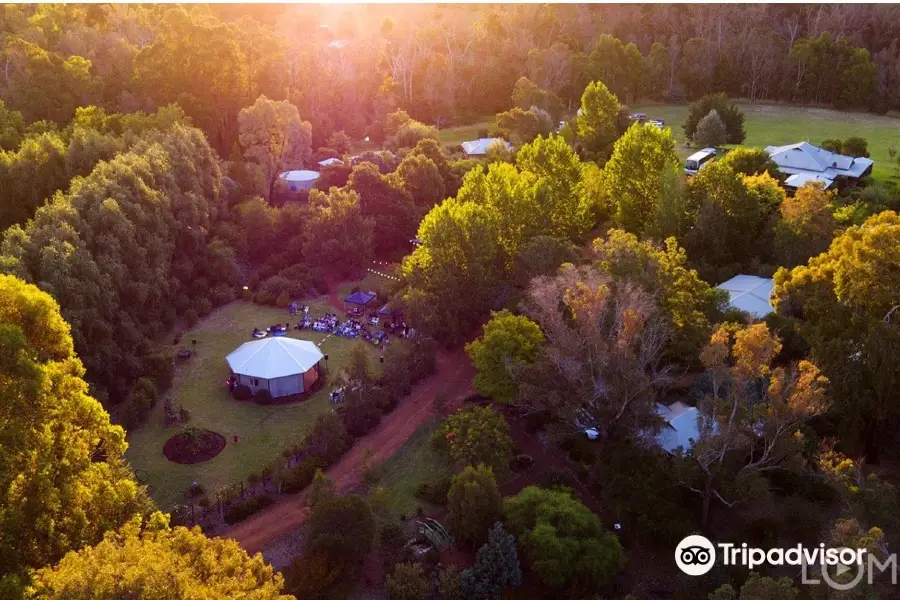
(453, 378)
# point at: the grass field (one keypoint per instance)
(777, 125)
(264, 431)
(453, 136)
(415, 463)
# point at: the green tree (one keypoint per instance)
(758, 587)
(598, 121)
(457, 267)
(475, 504)
(12, 127)
(807, 225)
(340, 141)
(508, 342)
(321, 489)
(343, 528)
(153, 562)
(419, 176)
(633, 179)
(734, 221)
(751, 161)
(407, 582)
(847, 298)
(711, 131)
(562, 541)
(274, 138)
(385, 200)
(747, 392)
(564, 211)
(63, 477)
(338, 234)
(729, 112)
(496, 567)
(689, 303)
(475, 435)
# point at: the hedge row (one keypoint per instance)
(238, 512)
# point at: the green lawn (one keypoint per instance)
(453, 136)
(776, 125)
(415, 463)
(264, 431)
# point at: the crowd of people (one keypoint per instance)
(365, 327)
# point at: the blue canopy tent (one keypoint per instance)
(359, 299)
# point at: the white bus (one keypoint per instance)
(697, 160)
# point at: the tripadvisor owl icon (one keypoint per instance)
(695, 555)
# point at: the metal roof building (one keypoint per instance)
(750, 294)
(814, 163)
(480, 147)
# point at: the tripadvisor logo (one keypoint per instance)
(839, 568)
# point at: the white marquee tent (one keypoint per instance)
(281, 365)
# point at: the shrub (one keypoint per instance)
(554, 478)
(361, 416)
(204, 306)
(248, 295)
(262, 397)
(435, 492)
(191, 317)
(579, 448)
(521, 462)
(496, 567)
(328, 439)
(391, 536)
(318, 575)
(283, 300)
(407, 582)
(264, 298)
(222, 294)
(342, 527)
(239, 512)
(300, 476)
(242, 393)
(383, 400)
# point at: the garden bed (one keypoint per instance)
(191, 447)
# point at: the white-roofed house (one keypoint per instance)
(281, 365)
(804, 162)
(749, 293)
(680, 429)
(330, 161)
(480, 147)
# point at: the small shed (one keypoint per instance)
(281, 365)
(328, 162)
(300, 181)
(359, 300)
(750, 294)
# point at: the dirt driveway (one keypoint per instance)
(453, 378)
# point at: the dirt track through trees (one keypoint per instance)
(453, 379)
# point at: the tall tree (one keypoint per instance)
(63, 477)
(496, 567)
(153, 561)
(634, 178)
(689, 304)
(749, 418)
(846, 300)
(807, 225)
(274, 138)
(509, 341)
(474, 503)
(562, 541)
(338, 233)
(598, 119)
(603, 356)
(473, 436)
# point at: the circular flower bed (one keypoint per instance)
(193, 445)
